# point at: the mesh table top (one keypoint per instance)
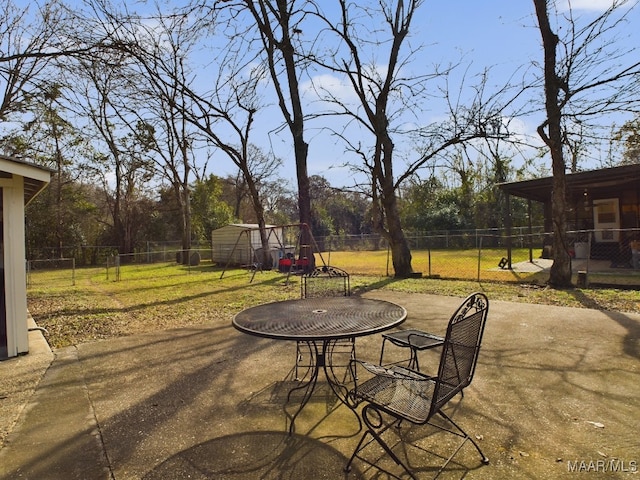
(320, 318)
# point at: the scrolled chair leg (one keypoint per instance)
(375, 427)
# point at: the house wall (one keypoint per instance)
(581, 212)
(630, 208)
(610, 245)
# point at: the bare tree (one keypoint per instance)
(227, 123)
(221, 109)
(30, 38)
(384, 94)
(279, 24)
(586, 75)
(56, 138)
(123, 165)
(46, 136)
(35, 41)
(21, 61)
(157, 92)
(162, 58)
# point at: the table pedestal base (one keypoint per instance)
(319, 351)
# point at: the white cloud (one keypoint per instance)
(323, 85)
(589, 5)
(327, 85)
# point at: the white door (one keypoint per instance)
(606, 220)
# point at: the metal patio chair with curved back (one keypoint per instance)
(324, 281)
(396, 394)
(418, 340)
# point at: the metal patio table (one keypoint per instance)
(320, 322)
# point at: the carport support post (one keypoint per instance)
(507, 222)
(14, 265)
(529, 220)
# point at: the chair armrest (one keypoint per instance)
(394, 371)
(378, 370)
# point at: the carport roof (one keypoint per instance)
(36, 177)
(539, 189)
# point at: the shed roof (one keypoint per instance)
(250, 225)
(36, 177)
(539, 189)
(243, 227)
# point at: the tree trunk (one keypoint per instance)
(560, 274)
(186, 191)
(304, 200)
(295, 120)
(59, 218)
(400, 252)
(259, 211)
(185, 210)
(118, 229)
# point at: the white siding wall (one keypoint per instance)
(14, 266)
(245, 238)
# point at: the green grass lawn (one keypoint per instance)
(163, 296)
(457, 264)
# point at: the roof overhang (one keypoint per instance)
(36, 177)
(539, 189)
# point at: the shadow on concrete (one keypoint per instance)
(252, 455)
(554, 386)
(631, 341)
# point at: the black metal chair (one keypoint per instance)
(396, 394)
(324, 281)
(418, 340)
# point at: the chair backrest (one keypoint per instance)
(460, 350)
(325, 281)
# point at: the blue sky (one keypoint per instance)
(500, 34)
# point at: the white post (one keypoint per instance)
(14, 266)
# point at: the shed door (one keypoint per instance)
(606, 220)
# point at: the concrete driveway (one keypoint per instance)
(556, 395)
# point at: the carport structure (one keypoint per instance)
(20, 182)
(605, 201)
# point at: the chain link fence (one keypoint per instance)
(602, 257)
(598, 257)
(53, 271)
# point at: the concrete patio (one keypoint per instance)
(556, 395)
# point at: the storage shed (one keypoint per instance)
(237, 243)
(20, 182)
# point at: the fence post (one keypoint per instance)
(388, 251)
(479, 255)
